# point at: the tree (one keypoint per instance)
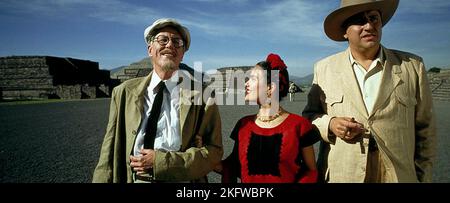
(434, 70)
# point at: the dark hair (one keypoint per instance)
(283, 76)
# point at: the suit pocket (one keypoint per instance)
(334, 104)
(406, 101)
(405, 109)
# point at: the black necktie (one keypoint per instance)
(150, 130)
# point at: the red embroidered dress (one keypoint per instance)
(271, 155)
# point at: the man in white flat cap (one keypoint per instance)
(153, 134)
(372, 105)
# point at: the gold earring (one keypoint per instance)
(268, 99)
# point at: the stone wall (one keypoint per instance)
(440, 85)
(134, 70)
(45, 77)
(130, 73)
(226, 79)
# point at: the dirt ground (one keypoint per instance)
(60, 142)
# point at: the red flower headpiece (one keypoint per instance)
(275, 62)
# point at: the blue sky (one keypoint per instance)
(224, 33)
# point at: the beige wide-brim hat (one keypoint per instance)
(151, 30)
(333, 22)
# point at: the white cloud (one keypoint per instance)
(298, 20)
(111, 10)
(213, 29)
(219, 1)
(117, 11)
(291, 21)
(424, 7)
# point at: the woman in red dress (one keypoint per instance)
(273, 146)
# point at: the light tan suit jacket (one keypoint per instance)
(402, 120)
(190, 163)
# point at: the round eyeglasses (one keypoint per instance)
(164, 40)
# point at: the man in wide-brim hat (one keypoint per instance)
(372, 105)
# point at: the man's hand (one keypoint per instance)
(143, 163)
(346, 128)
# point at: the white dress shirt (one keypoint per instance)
(369, 81)
(168, 137)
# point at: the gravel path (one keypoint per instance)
(52, 142)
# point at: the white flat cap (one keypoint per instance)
(151, 30)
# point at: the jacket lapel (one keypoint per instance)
(390, 79)
(187, 96)
(134, 114)
(350, 85)
(184, 108)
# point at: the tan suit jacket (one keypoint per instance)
(402, 120)
(190, 163)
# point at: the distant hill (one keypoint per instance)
(144, 63)
(114, 70)
(136, 69)
(302, 81)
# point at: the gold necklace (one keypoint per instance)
(271, 118)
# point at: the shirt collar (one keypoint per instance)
(379, 59)
(170, 83)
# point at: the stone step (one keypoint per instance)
(441, 95)
(441, 99)
(442, 90)
(445, 87)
